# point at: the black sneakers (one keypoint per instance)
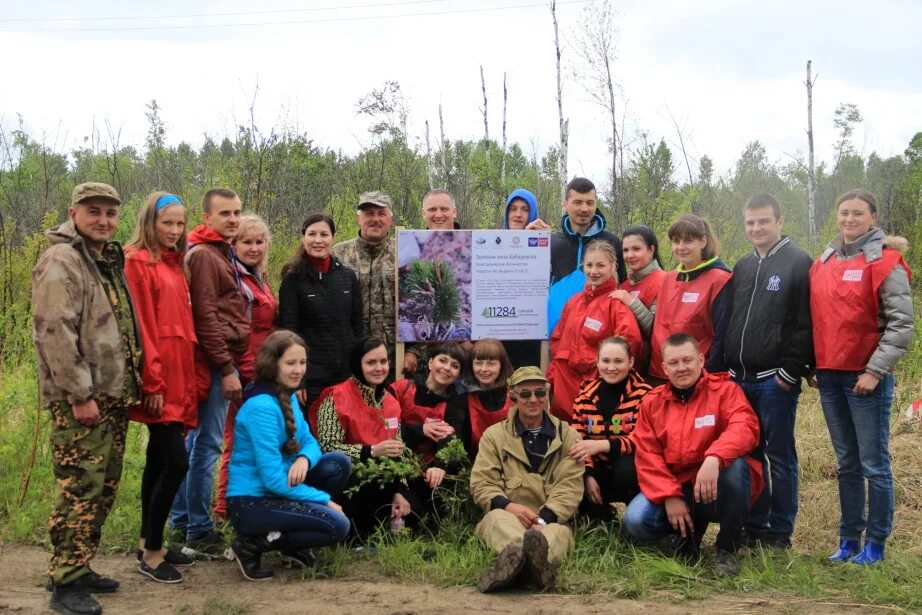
(74, 599)
(248, 551)
(509, 563)
(174, 558)
(209, 546)
(726, 564)
(164, 573)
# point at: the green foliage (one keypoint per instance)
(385, 471)
(433, 281)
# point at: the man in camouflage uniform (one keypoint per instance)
(89, 356)
(373, 257)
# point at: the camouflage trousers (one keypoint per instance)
(87, 466)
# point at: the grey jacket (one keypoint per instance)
(895, 313)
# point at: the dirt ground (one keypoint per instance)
(217, 588)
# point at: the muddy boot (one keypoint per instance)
(543, 572)
(74, 599)
(248, 551)
(509, 564)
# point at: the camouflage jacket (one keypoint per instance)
(375, 265)
(80, 348)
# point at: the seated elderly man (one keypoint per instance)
(528, 487)
(693, 438)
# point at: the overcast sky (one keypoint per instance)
(728, 71)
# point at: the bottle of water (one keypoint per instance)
(397, 524)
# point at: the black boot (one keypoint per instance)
(74, 599)
(248, 551)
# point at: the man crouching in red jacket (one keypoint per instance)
(693, 439)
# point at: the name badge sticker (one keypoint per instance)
(592, 323)
(852, 275)
(432, 419)
(690, 297)
(707, 420)
(634, 293)
(392, 422)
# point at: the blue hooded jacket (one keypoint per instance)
(528, 197)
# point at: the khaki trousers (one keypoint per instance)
(499, 528)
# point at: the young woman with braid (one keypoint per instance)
(604, 414)
(280, 485)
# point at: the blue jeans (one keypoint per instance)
(303, 525)
(192, 507)
(646, 522)
(774, 512)
(859, 426)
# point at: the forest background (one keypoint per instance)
(282, 175)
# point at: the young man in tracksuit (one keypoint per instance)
(768, 348)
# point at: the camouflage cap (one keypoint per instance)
(529, 373)
(376, 198)
(91, 190)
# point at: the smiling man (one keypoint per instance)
(89, 356)
(768, 347)
(373, 257)
(528, 486)
(440, 211)
(693, 438)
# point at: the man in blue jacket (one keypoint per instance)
(581, 224)
(768, 347)
(522, 212)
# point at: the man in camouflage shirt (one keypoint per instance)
(89, 359)
(373, 257)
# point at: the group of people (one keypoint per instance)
(674, 392)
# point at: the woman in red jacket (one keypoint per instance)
(158, 286)
(586, 320)
(695, 298)
(251, 247)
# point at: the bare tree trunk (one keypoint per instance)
(610, 86)
(442, 147)
(502, 168)
(564, 124)
(429, 164)
(811, 174)
(486, 124)
(678, 130)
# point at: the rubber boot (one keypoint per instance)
(847, 550)
(872, 553)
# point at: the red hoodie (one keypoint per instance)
(673, 437)
(219, 308)
(264, 309)
(161, 301)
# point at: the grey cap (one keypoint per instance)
(95, 190)
(376, 198)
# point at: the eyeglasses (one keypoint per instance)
(539, 393)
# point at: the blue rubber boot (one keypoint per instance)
(872, 553)
(847, 550)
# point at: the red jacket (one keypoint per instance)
(264, 309)
(647, 289)
(161, 300)
(672, 437)
(361, 423)
(586, 320)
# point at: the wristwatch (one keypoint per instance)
(541, 521)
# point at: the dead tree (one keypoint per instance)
(502, 168)
(429, 164)
(564, 123)
(811, 173)
(442, 146)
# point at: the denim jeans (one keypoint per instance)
(774, 512)
(859, 426)
(646, 522)
(192, 506)
(303, 525)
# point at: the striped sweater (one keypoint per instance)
(594, 419)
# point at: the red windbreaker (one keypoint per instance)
(672, 437)
(161, 299)
(586, 320)
(647, 289)
(264, 309)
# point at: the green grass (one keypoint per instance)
(600, 564)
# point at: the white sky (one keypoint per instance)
(729, 71)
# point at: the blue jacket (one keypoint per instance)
(567, 248)
(258, 468)
(528, 197)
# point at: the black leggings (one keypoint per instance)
(166, 467)
(618, 483)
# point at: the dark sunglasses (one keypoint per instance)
(539, 393)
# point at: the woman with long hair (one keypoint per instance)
(862, 324)
(320, 300)
(587, 319)
(604, 414)
(695, 298)
(154, 270)
(486, 401)
(280, 486)
(359, 417)
(251, 247)
(644, 275)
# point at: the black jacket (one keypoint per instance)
(770, 331)
(325, 309)
(568, 247)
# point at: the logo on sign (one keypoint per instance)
(774, 283)
(532, 242)
(542, 242)
(592, 323)
(705, 421)
(516, 241)
(852, 275)
(499, 240)
(690, 297)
